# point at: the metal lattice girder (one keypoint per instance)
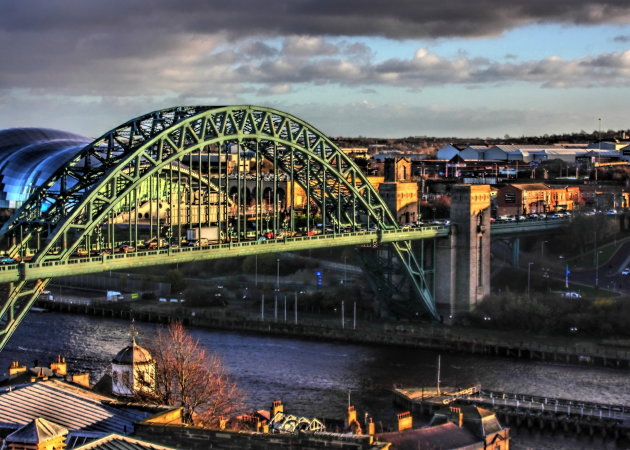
(78, 200)
(387, 280)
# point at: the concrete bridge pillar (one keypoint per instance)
(516, 252)
(463, 260)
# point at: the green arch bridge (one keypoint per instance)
(203, 182)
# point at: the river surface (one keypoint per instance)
(314, 378)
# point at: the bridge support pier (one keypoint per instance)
(516, 252)
(463, 260)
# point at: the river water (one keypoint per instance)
(314, 378)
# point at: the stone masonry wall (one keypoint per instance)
(194, 438)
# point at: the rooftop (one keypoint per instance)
(119, 442)
(445, 436)
(68, 405)
(37, 431)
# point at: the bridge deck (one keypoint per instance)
(527, 226)
(122, 261)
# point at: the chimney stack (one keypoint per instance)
(405, 421)
(351, 416)
(457, 412)
(15, 368)
(371, 427)
(59, 367)
(276, 407)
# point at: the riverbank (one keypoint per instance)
(424, 336)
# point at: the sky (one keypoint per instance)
(375, 68)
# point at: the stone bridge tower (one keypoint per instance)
(463, 259)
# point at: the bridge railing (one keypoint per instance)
(619, 409)
(221, 246)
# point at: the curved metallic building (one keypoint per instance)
(29, 156)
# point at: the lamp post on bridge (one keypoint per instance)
(277, 290)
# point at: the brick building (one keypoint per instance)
(536, 198)
(398, 191)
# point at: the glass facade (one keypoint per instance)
(29, 156)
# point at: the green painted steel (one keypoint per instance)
(77, 266)
(129, 184)
(527, 226)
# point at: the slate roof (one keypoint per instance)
(118, 442)
(68, 405)
(37, 431)
(445, 436)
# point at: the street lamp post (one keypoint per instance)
(596, 261)
(529, 270)
(277, 274)
(566, 273)
(262, 308)
(275, 312)
(597, 252)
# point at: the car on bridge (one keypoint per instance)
(125, 248)
(101, 252)
(7, 260)
(155, 243)
(202, 242)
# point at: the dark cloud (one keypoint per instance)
(124, 57)
(396, 19)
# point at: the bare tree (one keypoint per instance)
(189, 376)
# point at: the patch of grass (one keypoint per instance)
(587, 260)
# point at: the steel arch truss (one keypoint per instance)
(151, 160)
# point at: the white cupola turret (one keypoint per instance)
(133, 370)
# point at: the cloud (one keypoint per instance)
(215, 67)
(126, 57)
(398, 19)
(425, 69)
(363, 118)
(304, 46)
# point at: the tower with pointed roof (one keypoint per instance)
(39, 434)
(133, 370)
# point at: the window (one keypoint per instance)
(510, 197)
